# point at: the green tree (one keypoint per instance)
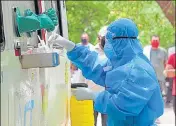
(146, 14)
(149, 18)
(85, 16)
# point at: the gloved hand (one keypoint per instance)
(57, 39)
(83, 94)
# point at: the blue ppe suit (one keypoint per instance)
(132, 96)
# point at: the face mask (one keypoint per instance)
(155, 43)
(84, 41)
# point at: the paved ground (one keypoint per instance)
(168, 119)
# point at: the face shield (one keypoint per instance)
(109, 48)
(102, 42)
(102, 34)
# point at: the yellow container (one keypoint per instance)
(81, 112)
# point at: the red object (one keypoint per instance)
(17, 52)
(155, 43)
(171, 61)
(42, 89)
(29, 52)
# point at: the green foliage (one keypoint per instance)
(85, 16)
(90, 16)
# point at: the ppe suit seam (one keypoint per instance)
(81, 54)
(93, 68)
(126, 80)
(146, 70)
(87, 74)
(129, 74)
(148, 75)
(120, 87)
(122, 110)
(74, 60)
(72, 52)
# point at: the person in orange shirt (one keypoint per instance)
(170, 72)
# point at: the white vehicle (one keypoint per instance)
(34, 96)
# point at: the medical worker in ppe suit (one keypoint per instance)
(132, 95)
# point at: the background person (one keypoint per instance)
(76, 74)
(99, 49)
(169, 81)
(158, 58)
(170, 73)
(85, 42)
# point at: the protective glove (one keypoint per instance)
(45, 22)
(51, 13)
(83, 94)
(53, 16)
(32, 22)
(57, 39)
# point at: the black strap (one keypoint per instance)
(119, 37)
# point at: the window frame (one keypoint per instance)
(2, 35)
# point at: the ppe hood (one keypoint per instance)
(121, 42)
